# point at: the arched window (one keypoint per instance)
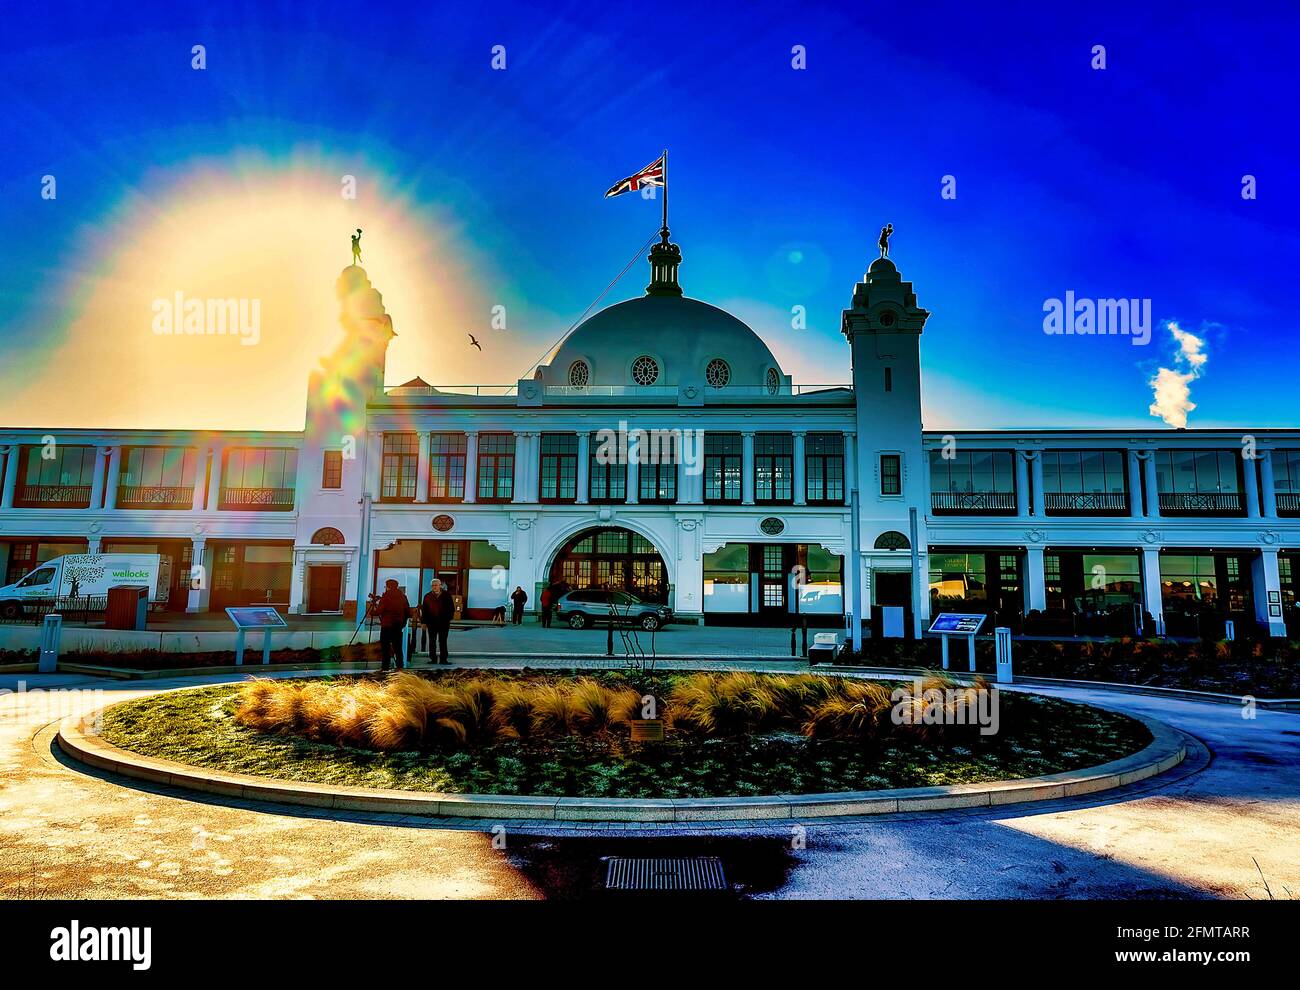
(327, 537)
(773, 381)
(892, 540)
(579, 374)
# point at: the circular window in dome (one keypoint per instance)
(772, 526)
(773, 381)
(579, 373)
(645, 370)
(717, 373)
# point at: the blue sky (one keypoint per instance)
(1123, 182)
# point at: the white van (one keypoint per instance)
(76, 577)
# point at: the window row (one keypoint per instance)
(658, 460)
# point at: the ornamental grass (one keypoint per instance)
(407, 711)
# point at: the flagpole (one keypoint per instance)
(664, 231)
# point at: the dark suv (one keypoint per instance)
(590, 606)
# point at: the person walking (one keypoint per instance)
(436, 612)
(520, 598)
(393, 610)
(548, 599)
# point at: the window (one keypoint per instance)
(400, 464)
(723, 467)
(66, 477)
(773, 381)
(891, 474)
(645, 370)
(579, 374)
(259, 477)
(607, 474)
(657, 467)
(327, 537)
(1198, 481)
(972, 481)
(331, 475)
(496, 467)
(717, 373)
(1198, 472)
(559, 468)
(773, 467)
(447, 467)
(1083, 472)
(1286, 472)
(824, 474)
(158, 467)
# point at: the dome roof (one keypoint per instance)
(685, 341)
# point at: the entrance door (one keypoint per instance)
(326, 586)
(892, 588)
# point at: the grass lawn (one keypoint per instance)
(1037, 736)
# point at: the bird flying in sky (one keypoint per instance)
(473, 341)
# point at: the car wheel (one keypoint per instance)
(10, 610)
(577, 621)
(649, 622)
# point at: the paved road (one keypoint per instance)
(1221, 826)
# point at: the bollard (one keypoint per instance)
(805, 639)
(609, 641)
(794, 650)
(51, 631)
(1002, 643)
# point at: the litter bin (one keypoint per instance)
(128, 605)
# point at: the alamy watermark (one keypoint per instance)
(651, 446)
(184, 317)
(1077, 315)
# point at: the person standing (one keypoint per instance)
(393, 610)
(548, 599)
(436, 612)
(520, 598)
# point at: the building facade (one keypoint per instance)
(661, 449)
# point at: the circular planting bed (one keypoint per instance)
(569, 736)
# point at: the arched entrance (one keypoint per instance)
(612, 558)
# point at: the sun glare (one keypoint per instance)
(264, 242)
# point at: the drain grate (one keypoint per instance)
(692, 873)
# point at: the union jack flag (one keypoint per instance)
(651, 175)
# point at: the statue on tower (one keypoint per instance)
(885, 232)
(356, 247)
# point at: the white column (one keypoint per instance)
(13, 455)
(94, 544)
(851, 467)
(471, 467)
(422, 468)
(298, 583)
(214, 482)
(525, 455)
(584, 465)
(114, 478)
(1036, 480)
(1022, 484)
(747, 469)
(1035, 580)
(800, 464)
(1152, 485)
(1135, 484)
(1152, 595)
(201, 557)
(1267, 488)
(200, 478)
(97, 477)
(1265, 579)
(374, 465)
(633, 466)
(1250, 485)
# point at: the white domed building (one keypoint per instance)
(663, 452)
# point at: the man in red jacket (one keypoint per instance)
(393, 610)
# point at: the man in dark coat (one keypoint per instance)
(393, 610)
(520, 598)
(436, 612)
